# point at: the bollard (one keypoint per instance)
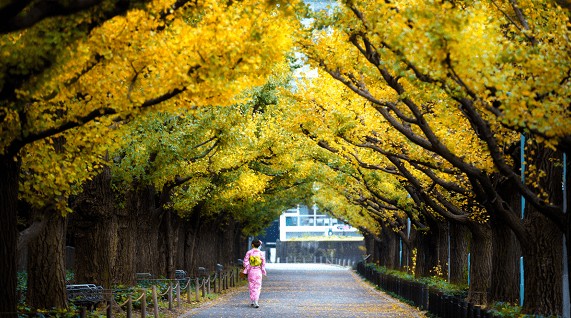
(144, 304)
(203, 285)
(209, 285)
(129, 307)
(83, 312)
(196, 289)
(155, 302)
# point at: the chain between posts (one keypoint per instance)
(202, 286)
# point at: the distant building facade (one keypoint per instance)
(303, 221)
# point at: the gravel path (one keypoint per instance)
(308, 290)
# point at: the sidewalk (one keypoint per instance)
(309, 290)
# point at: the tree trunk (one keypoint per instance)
(481, 263)
(424, 254)
(543, 253)
(147, 219)
(95, 232)
(9, 174)
(124, 271)
(442, 248)
(192, 230)
(505, 264)
(567, 195)
(430, 246)
(506, 252)
(95, 252)
(542, 267)
(389, 249)
(147, 248)
(459, 236)
(372, 247)
(161, 250)
(170, 239)
(46, 266)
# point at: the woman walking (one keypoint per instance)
(255, 267)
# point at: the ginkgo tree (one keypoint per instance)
(457, 77)
(75, 77)
(214, 163)
(354, 133)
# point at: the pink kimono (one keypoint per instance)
(254, 274)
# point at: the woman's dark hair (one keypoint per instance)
(256, 243)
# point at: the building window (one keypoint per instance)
(291, 221)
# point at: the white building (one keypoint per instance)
(303, 221)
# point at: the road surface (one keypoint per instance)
(308, 290)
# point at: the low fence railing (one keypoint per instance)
(173, 291)
(424, 297)
(318, 260)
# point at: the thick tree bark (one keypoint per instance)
(459, 237)
(441, 248)
(95, 230)
(542, 267)
(481, 264)
(389, 249)
(505, 264)
(161, 250)
(191, 243)
(425, 252)
(170, 240)
(46, 266)
(567, 194)
(124, 271)
(543, 252)
(9, 174)
(428, 246)
(147, 225)
(506, 252)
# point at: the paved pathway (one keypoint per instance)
(309, 290)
